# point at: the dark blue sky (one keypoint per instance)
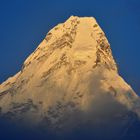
(24, 23)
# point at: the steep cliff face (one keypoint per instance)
(70, 79)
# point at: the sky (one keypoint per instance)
(24, 24)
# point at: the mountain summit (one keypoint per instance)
(71, 80)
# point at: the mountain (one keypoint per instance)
(71, 81)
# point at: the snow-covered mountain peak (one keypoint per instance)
(72, 71)
(81, 39)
